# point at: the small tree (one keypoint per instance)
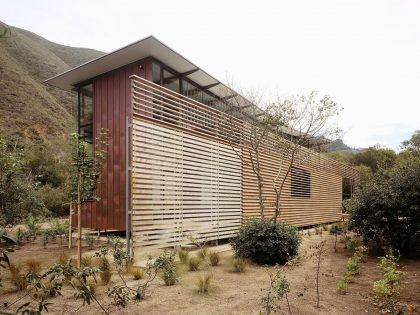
(286, 129)
(84, 175)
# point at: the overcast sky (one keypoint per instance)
(364, 54)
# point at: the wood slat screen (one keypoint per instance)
(182, 186)
(192, 172)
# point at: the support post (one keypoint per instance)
(79, 222)
(127, 187)
(70, 226)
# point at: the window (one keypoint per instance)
(300, 183)
(86, 112)
(348, 188)
(170, 81)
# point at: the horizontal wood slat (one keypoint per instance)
(182, 186)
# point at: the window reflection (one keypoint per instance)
(86, 113)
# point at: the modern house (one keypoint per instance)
(176, 164)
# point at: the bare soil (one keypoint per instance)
(239, 293)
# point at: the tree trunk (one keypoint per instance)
(79, 222)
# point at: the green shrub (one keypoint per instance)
(105, 268)
(183, 255)
(166, 263)
(214, 258)
(194, 263)
(239, 264)
(386, 291)
(342, 285)
(89, 240)
(266, 242)
(203, 284)
(33, 224)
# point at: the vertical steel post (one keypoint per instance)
(127, 186)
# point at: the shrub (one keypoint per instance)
(33, 223)
(33, 266)
(214, 258)
(90, 241)
(266, 242)
(87, 261)
(105, 268)
(239, 264)
(194, 263)
(166, 263)
(342, 285)
(202, 253)
(204, 284)
(336, 230)
(183, 255)
(17, 278)
(386, 208)
(386, 291)
(137, 272)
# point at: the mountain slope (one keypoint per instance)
(28, 107)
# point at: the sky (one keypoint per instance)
(364, 54)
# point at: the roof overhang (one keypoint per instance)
(146, 47)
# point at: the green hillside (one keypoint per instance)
(29, 108)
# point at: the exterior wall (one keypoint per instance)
(322, 206)
(112, 101)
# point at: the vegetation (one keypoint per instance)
(278, 289)
(204, 284)
(214, 258)
(266, 242)
(319, 256)
(137, 272)
(386, 291)
(386, 209)
(239, 264)
(183, 255)
(194, 263)
(336, 230)
(166, 263)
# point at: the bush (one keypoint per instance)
(266, 242)
(214, 258)
(204, 284)
(105, 268)
(386, 209)
(194, 263)
(17, 277)
(137, 272)
(166, 263)
(183, 255)
(239, 265)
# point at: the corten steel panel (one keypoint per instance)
(112, 101)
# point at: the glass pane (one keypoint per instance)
(86, 113)
(156, 73)
(170, 81)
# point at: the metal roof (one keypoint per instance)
(146, 47)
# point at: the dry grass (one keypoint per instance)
(214, 258)
(239, 265)
(137, 272)
(204, 283)
(194, 263)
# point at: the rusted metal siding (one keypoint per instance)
(112, 99)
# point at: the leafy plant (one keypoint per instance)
(105, 268)
(166, 263)
(278, 289)
(204, 284)
(386, 291)
(342, 285)
(33, 224)
(239, 264)
(214, 258)
(194, 263)
(319, 255)
(266, 242)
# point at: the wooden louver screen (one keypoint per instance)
(183, 186)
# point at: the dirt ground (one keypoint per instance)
(240, 293)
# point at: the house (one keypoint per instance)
(176, 165)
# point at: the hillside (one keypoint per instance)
(28, 107)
